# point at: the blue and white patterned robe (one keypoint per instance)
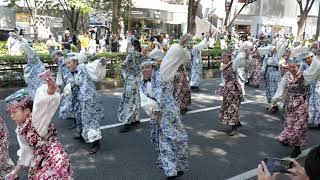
(196, 63)
(87, 101)
(130, 103)
(33, 68)
(313, 98)
(271, 70)
(168, 135)
(64, 77)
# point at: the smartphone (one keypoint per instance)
(278, 165)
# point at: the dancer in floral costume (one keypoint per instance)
(182, 91)
(230, 110)
(168, 134)
(295, 126)
(6, 165)
(255, 67)
(39, 146)
(128, 112)
(64, 77)
(271, 70)
(196, 63)
(87, 101)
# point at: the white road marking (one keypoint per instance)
(190, 112)
(252, 173)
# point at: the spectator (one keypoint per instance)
(311, 170)
(114, 43)
(51, 43)
(66, 42)
(92, 47)
(12, 44)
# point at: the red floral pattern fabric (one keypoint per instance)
(230, 110)
(295, 126)
(6, 164)
(182, 91)
(50, 160)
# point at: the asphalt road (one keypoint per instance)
(213, 154)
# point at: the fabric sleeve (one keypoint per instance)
(281, 49)
(96, 70)
(24, 46)
(280, 91)
(148, 104)
(264, 50)
(239, 61)
(313, 71)
(295, 52)
(25, 152)
(44, 108)
(202, 45)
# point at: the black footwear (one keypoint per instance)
(295, 153)
(195, 89)
(96, 146)
(184, 111)
(239, 124)
(234, 130)
(125, 128)
(180, 173)
(73, 126)
(257, 86)
(171, 177)
(135, 123)
(77, 136)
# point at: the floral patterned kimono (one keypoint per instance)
(33, 68)
(6, 165)
(230, 110)
(39, 147)
(181, 88)
(168, 135)
(87, 101)
(295, 126)
(196, 63)
(312, 77)
(130, 103)
(64, 77)
(255, 68)
(271, 71)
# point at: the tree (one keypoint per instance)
(192, 11)
(73, 9)
(246, 3)
(33, 7)
(120, 8)
(318, 25)
(228, 6)
(304, 11)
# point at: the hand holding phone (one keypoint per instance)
(278, 165)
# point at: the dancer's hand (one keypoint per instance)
(52, 88)
(264, 174)
(298, 172)
(17, 170)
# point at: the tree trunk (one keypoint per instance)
(228, 11)
(192, 12)
(235, 16)
(115, 27)
(318, 25)
(301, 24)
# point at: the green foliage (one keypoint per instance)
(198, 40)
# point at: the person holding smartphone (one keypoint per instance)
(310, 171)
